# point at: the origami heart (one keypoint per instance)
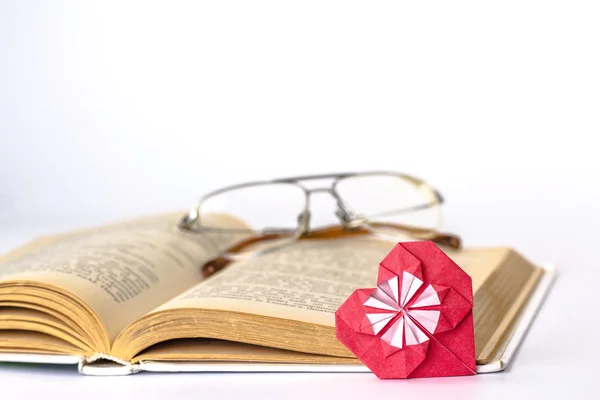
(418, 322)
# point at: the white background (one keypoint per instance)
(117, 108)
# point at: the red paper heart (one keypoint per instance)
(418, 322)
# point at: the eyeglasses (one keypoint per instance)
(277, 212)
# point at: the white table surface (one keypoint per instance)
(557, 359)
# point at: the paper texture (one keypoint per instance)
(303, 283)
(498, 364)
(417, 322)
(306, 281)
(158, 365)
(119, 275)
(121, 271)
(225, 351)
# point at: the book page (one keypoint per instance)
(306, 281)
(221, 350)
(123, 270)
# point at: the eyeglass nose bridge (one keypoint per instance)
(342, 213)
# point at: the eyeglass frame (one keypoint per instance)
(349, 220)
(350, 226)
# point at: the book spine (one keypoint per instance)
(101, 364)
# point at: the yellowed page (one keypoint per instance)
(220, 350)
(16, 318)
(308, 280)
(479, 263)
(34, 342)
(123, 270)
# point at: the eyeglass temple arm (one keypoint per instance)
(220, 262)
(443, 238)
(332, 232)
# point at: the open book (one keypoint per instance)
(130, 296)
